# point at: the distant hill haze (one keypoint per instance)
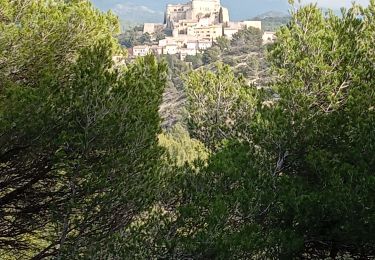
(153, 11)
(271, 14)
(141, 11)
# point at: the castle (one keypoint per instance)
(180, 16)
(192, 27)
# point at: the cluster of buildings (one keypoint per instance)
(194, 27)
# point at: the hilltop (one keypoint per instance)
(271, 14)
(272, 20)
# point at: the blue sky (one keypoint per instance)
(152, 10)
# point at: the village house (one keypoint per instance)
(192, 44)
(193, 27)
(156, 50)
(204, 44)
(141, 50)
(151, 28)
(229, 32)
(209, 32)
(170, 49)
(184, 52)
(268, 37)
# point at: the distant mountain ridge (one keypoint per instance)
(271, 14)
(130, 14)
(272, 20)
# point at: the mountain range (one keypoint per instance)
(140, 11)
(153, 10)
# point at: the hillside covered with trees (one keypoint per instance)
(271, 154)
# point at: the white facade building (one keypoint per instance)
(204, 44)
(268, 37)
(170, 49)
(141, 50)
(185, 52)
(229, 32)
(194, 27)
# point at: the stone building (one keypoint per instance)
(232, 28)
(151, 28)
(192, 28)
(269, 37)
(177, 16)
(141, 50)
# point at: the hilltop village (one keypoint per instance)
(192, 28)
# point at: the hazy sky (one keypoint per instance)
(152, 10)
(336, 4)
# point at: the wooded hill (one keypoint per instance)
(282, 171)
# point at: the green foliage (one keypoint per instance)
(135, 36)
(96, 142)
(42, 37)
(301, 186)
(195, 60)
(121, 144)
(173, 103)
(132, 37)
(129, 39)
(272, 24)
(223, 43)
(281, 172)
(251, 37)
(247, 61)
(297, 180)
(245, 54)
(159, 35)
(181, 148)
(211, 55)
(145, 38)
(325, 103)
(79, 138)
(218, 103)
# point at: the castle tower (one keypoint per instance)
(205, 6)
(195, 10)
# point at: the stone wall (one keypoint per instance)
(204, 7)
(176, 12)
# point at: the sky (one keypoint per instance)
(152, 10)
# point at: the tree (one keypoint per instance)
(298, 183)
(50, 35)
(145, 38)
(133, 36)
(74, 173)
(273, 22)
(250, 38)
(217, 104)
(325, 154)
(223, 43)
(211, 55)
(77, 135)
(129, 39)
(196, 60)
(159, 35)
(181, 148)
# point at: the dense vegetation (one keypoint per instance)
(134, 36)
(275, 168)
(79, 146)
(273, 23)
(244, 54)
